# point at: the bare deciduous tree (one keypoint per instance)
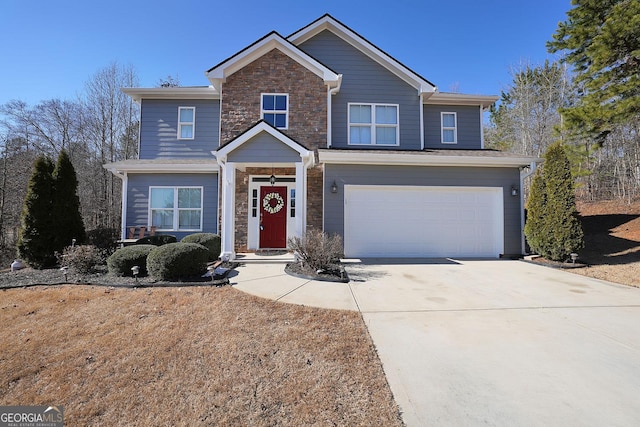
(110, 119)
(99, 127)
(527, 117)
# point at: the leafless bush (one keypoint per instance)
(81, 259)
(317, 250)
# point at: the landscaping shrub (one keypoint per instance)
(208, 240)
(104, 238)
(177, 261)
(36, 240)
(553, 229)
(65, 204)
(123, 259)
(157, 240)
(81, 259)
(317, 250)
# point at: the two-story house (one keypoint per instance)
(322, 129)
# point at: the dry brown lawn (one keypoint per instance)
(612, 241)
(188, 356)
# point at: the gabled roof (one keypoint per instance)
(273, 40)
(328, 22)
(261, 126)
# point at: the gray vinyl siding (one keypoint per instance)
(138, 198)
(468, 127)
(364, 81)
(159, 129)
(423, 176)
(263, 147)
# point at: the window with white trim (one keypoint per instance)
(449, 128)
(275, 109)
(186, 122)
(373, 124)
(176, 208)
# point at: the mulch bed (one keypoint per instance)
(335, 273)
(27, 277)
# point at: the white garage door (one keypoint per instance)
(406, 221)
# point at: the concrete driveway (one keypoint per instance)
(466, 343)
(503, 343)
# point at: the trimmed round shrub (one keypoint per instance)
(157, 240)
(123, 259)
(177, 261)
(208, 240)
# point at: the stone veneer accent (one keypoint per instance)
(275, 72)
(314, 199)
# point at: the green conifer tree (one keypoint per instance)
(553, 228)
(36, 237)
(601, 39)
(66, 214)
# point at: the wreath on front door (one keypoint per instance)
(273, 203)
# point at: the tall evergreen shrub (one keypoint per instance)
(553, 228)
(36, 240)
(66, 204)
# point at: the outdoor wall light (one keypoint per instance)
(272, 179)
(514, 191)
(334, 187)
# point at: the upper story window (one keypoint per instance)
(449, 128)
(373, 124)
(176, 208)
(186, 122)
(275, 109)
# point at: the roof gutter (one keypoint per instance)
(419, 159)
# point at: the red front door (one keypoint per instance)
(273, 217)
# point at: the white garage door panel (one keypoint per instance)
(399, 221)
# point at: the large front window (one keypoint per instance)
(373, 124)
(275, 109)
(176, 208)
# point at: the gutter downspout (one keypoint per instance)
(482, 131)
(421, 98)
(523, 175)
(330, 92)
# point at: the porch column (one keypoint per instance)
(228, 211)
(123, 212)
(301, 198)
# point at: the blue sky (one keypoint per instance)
(50, 48)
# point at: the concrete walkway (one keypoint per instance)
(487, 342)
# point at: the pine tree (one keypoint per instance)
(66, 204)
(601, 40)
(553, 229)
(36, 237)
